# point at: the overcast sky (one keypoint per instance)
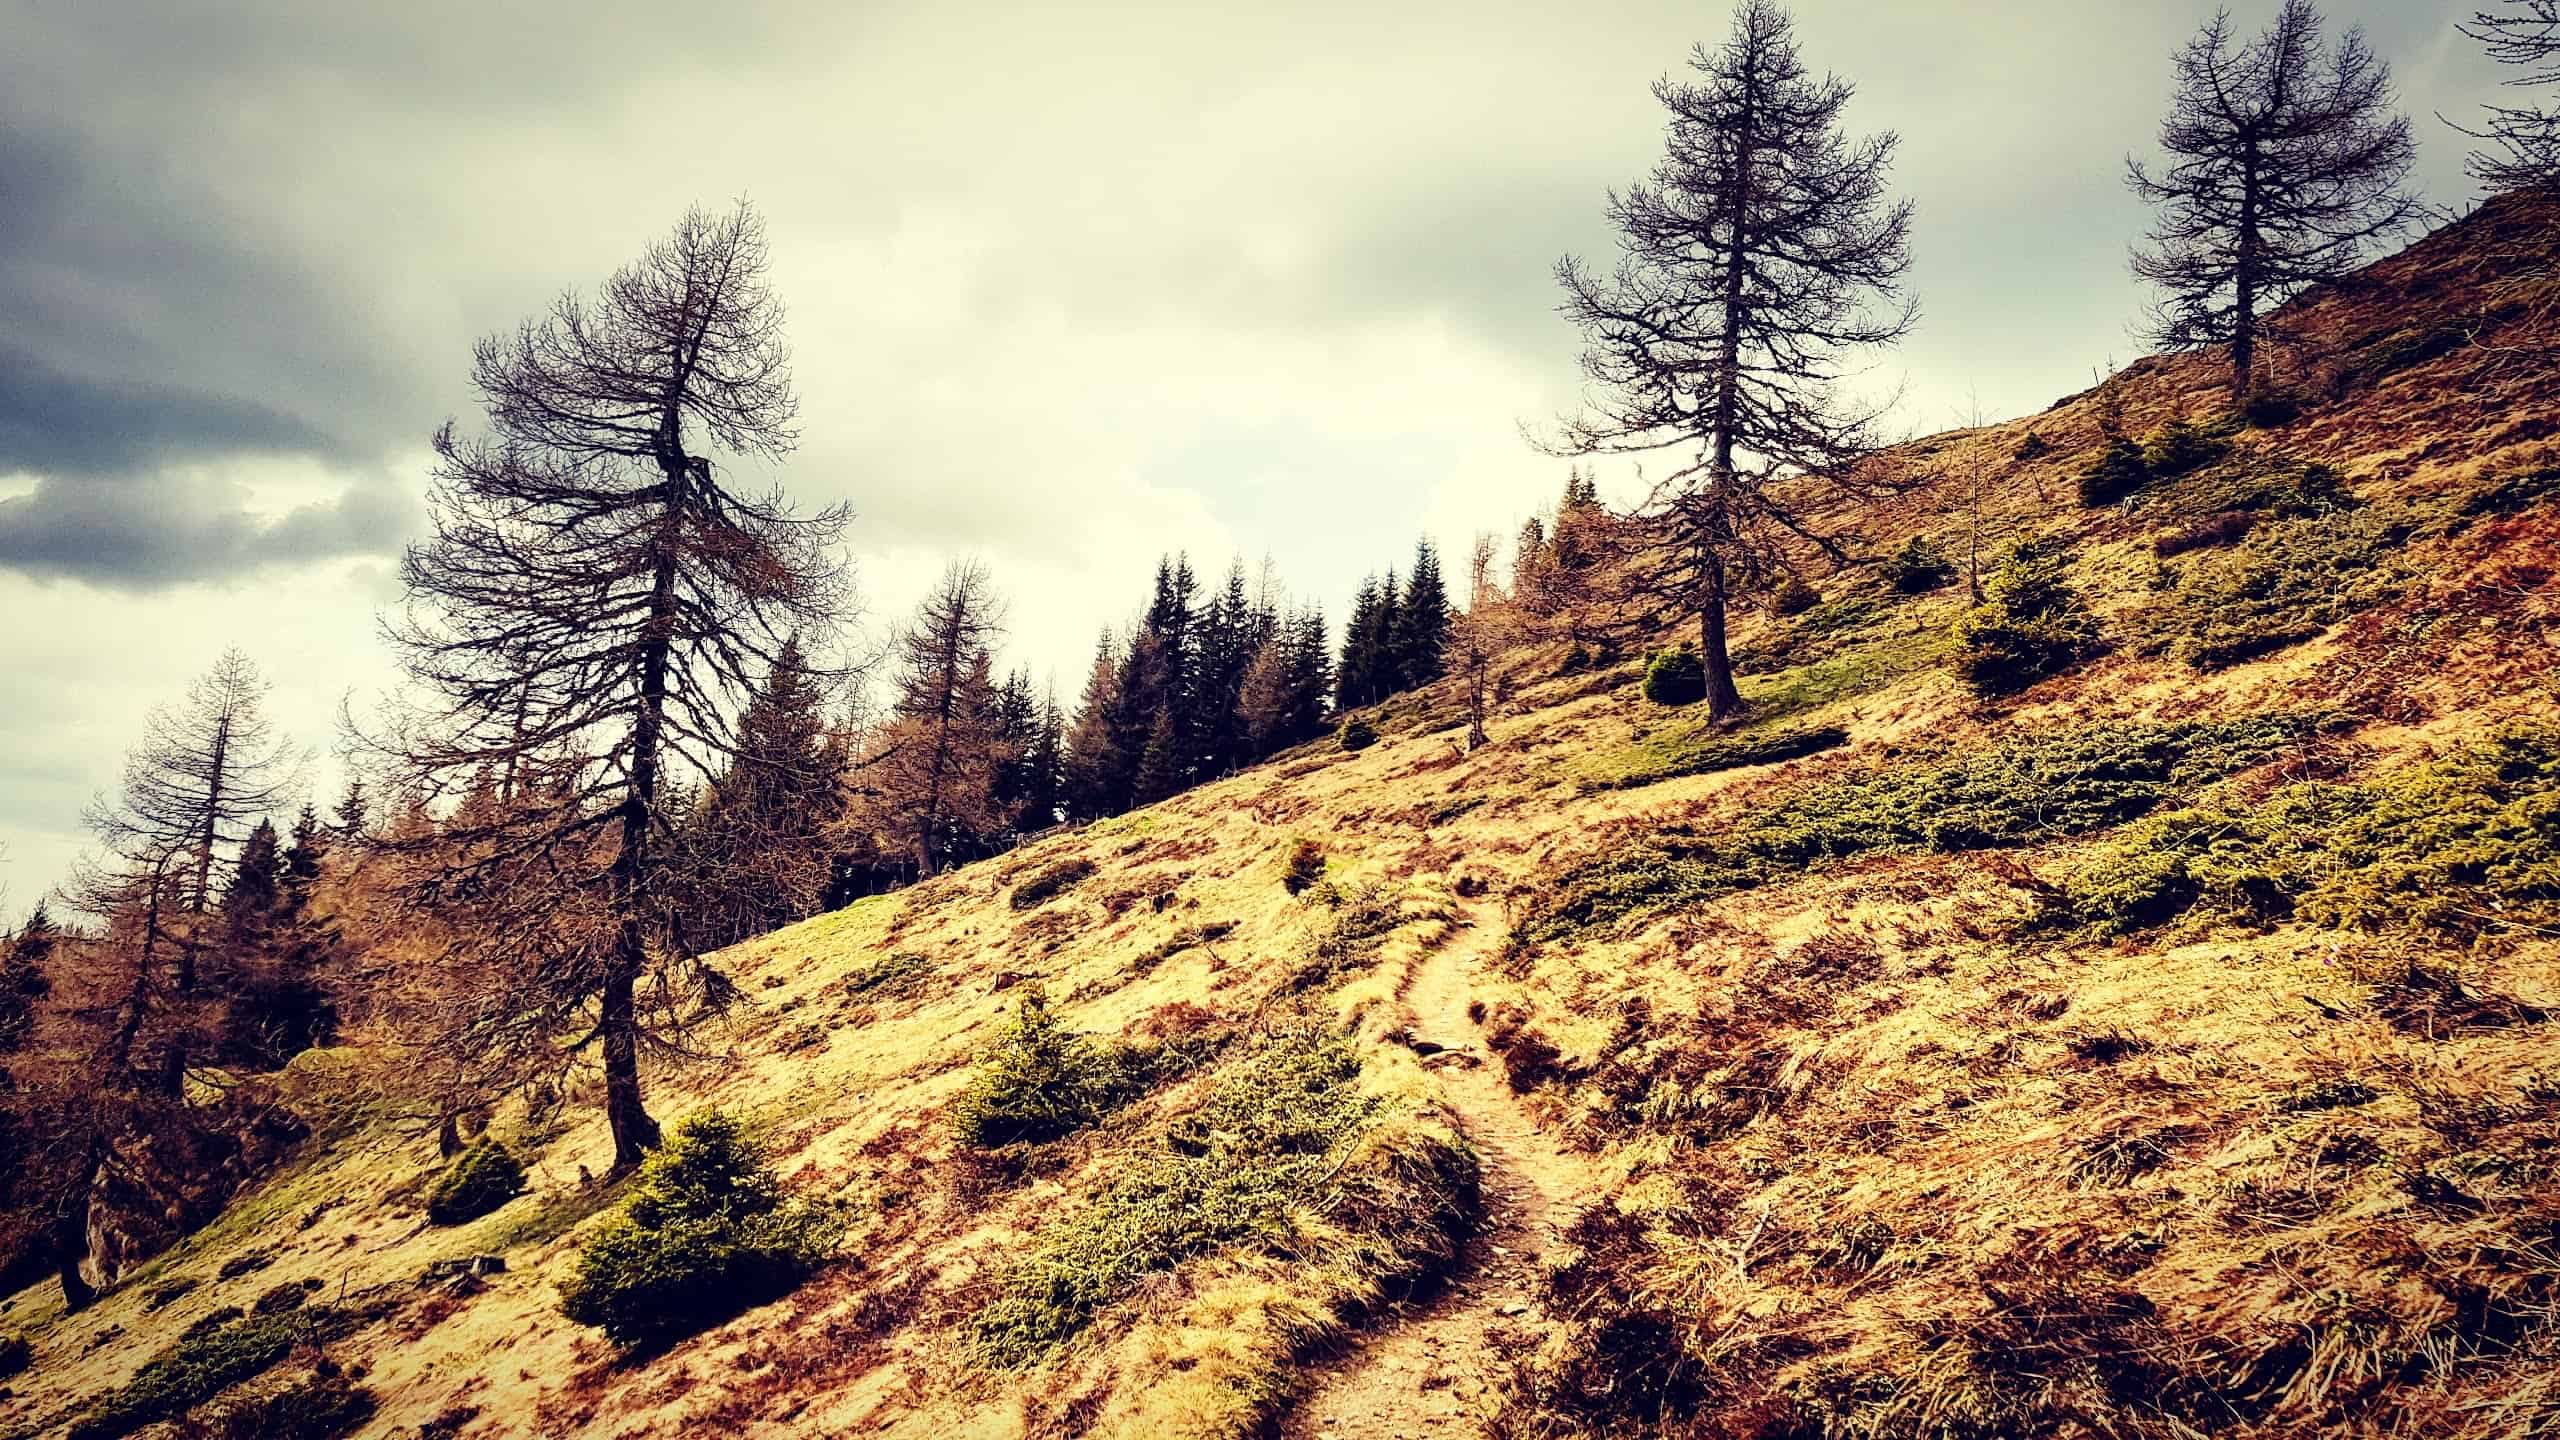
(1069, 285)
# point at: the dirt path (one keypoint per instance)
(1432, 1371)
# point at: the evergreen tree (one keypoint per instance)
(1044, 771)
(26, 977)
(1421, 630)
(753, 856)
(1284, 694)
(1092, 768)
(1233, 630)
(932, 794)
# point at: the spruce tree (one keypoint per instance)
(1093, 764)
(26, 977)
(1421, 622)
(753, 857)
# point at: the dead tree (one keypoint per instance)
(1762, 255)
(595, 603)
(2524, 140)
(2285, 166)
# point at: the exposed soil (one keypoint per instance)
(1432, 1370)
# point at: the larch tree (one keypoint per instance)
(2285, 165)
(597, 601)
(1762, 256)
(2523, 151)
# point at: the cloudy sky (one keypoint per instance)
(1070, 285)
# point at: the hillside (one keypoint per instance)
(2166, 1049)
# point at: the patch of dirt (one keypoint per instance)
(1432, 1369)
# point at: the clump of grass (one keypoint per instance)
(322, 1407)
(480, 1179)
(1303, 868)
(1180, 940)
(1704, 751)
(1271, 1143)
(1046, 885)
(706, 1233)
(2286, 583)
(2013, 794)
(205, 1361)
(1038, 1080)
(2030, 624)
(2460, 845)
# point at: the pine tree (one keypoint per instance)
(933, 785)
(1421, 622)
(753, 857)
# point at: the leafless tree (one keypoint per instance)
(595, 603)
(2286, 163)
(2524, 140)
(1485, 631)
(1761, 256)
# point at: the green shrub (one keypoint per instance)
(2115, 472)
(479, 1180)
(1263, 1143)
(15, 1355)
(2178, 447)
(1048, 884)
(1794, 597)
(1917, 567)
(323, 1407)
(705, 1234)
(202, 1363)
(2285, 583)
(1675, 677)
(2008, 795)
(2269, 406)
(1304, 867)
(2461, 845)
(2030, 623)
(1038, 1080)
(1358, 734)
(2412, 346)
(1705, 751)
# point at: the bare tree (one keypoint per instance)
(593, 608)
(2524, 34)
(1485, 631)
(1763, 254)
(2285, 165)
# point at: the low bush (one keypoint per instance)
(1304, 867)
(1358, 734)
(2178, 447)
(706, 1233)
(323, 1407)
(2030, 624)
(480, 1179)
(2511, 491)
(2008, 795)
(1675, 677)
(2409, 347)
(2269, 406)
(1794, 597)
(1706, 751)
(2115, 472)
(898, 975)
(2460, 845)
(2285, 583)
(205, 1361)
(1038, 1080)
(15, 1355)
(1046, 885)
(1917, 567)
(1231, 1172)
(2223, 527)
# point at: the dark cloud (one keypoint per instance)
(167, 530)
(52, 424)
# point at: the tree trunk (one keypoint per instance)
(449, 1136)
(1724, 701)
(617, 1011)
(71, 1229)
(2244, 283)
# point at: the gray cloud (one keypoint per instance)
(164, 530)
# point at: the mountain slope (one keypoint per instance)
(2166, 1049)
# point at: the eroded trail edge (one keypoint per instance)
(1432, 1370)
